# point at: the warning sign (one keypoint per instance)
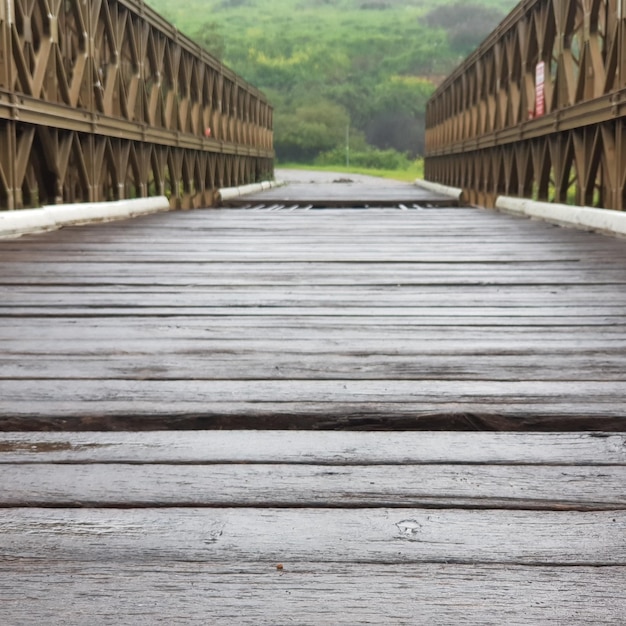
(540, 93)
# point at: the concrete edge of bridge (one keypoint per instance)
(443, 190)
(15, 224)
(604, 221)
(29, 221)
(230, 193)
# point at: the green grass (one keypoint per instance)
(409, 175)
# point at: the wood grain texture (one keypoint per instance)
(310, 594)
(315, 448)
(378, 318)
(504, 537)
(376, 536)
(398, 404)
(334, 321)
(215, 363)
(310, 486)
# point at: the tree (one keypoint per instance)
(397, 114)
(467, 24)
(309, 130)
(208, 36)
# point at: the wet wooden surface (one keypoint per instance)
(381, 318)
(305, 527)
(278, 317)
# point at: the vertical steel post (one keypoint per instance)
(7, 18)
(8, 155)
(4, 49)
(8, 142)
(621, 35)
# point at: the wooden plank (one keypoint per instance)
(359, 316)
(315, 447)
(315, 486)
(157, 362)
(605, 417)
(503, 299)
(390, 536)
(313, 335)
(59, 270)
(320, 227)
(325, 243)
(192, 593)
(264, 337)
(145, 414)
(429, 315)
(260, 330)
(430, 391)
(215, 275)
(428, 404)
(300, 254)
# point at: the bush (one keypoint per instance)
(371, 159)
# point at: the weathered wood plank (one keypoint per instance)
(151, 414)
(167, 365)
(587, 316)
(304, 593)
(318, 448)
(314, 486)
(200, 391)
(360, 316)
(465, 334)
(61, 273)
(244, 332)
(306, 403)
(309, 328)
(307, 252)
(363, 341)
(390, 536)
(501, 298)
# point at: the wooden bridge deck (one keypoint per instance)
(416, 319)
(312, 528)
(454, 318)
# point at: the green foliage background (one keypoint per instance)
(339, 68)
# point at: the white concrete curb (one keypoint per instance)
(587, 218)
(24, 221)
(453, 192)
(229, 193)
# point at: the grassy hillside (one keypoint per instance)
(332, 65)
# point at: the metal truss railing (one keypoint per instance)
(103, 99)
(538, 110)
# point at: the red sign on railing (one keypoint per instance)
(540, 93)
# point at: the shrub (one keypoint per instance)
(369, 158)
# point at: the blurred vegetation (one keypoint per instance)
(334, 69)
(415, 170)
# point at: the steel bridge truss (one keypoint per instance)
(104, 100)
(538, 110)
